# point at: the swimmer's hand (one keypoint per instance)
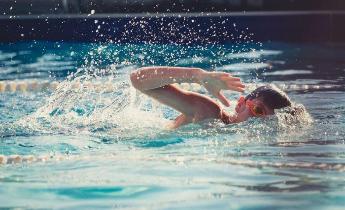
(214, 82)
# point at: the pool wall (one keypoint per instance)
(302, 26)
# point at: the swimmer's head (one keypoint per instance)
(261, 102)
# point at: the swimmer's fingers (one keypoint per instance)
(228, 77)
(235, 81)
(235, 86)
(214, 82)
(219, 74)
(223, 75)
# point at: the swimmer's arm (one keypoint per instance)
(149, 78)
(186, 102)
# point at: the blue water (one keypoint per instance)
(97, 143)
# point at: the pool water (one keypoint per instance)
(96, 143)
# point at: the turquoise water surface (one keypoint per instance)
(87, 139)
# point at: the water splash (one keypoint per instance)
(101, 103)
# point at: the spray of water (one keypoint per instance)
(101, 103)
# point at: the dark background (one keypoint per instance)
(20, 7)
(75, 20)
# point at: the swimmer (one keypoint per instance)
(158, 83)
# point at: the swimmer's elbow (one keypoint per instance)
(135, 80)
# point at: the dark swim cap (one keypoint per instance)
(271, 96)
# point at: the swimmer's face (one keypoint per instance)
(251, 108)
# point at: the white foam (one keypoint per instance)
(6, 56)
(253, 54)
(242, 66)
(287, 72)
(193, 60)
(98, 106)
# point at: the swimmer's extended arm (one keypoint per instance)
(148, 78)
(157, 83)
